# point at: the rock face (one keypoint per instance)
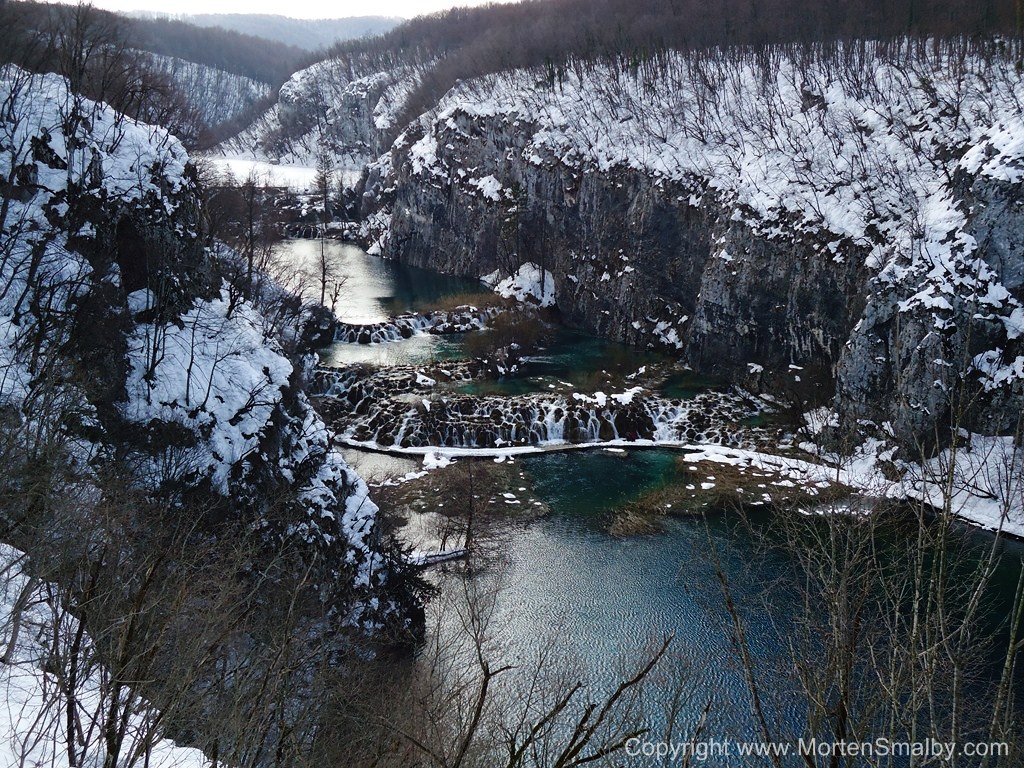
(346, 106)
(122, 347)
(819, 238)
(634, 262)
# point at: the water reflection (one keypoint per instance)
(374, 289)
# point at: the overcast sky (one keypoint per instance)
(300, 9)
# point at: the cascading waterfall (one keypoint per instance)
(459, 320)
(403, 407)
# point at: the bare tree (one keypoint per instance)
(464, 703)
(323, 185)
(893, 627)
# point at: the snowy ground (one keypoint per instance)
(33, 707)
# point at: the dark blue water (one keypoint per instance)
(600, 602)
(604, 602)
(610, 598)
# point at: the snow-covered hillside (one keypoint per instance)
(217, 96)
(346, 106)
(870, 174)
(120, 343)
(145, 393)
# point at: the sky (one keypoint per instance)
(300, 9)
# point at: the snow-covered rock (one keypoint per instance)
(118, 338)
(529, 283)
(853, 212)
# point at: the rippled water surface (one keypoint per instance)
(609, 598)
(604, 600)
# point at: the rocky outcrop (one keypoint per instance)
(842, 249)
(345, 106)
(941, 350)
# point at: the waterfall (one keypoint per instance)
(459, 320)
(403, 406)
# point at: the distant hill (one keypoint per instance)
(260, 59)
(265, 60)
(307, 34)
(203, 83)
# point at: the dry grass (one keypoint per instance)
(521, 327)
(455, 489)
(480, 300)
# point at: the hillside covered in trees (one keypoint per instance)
(203, 82)
(469, 42)
(307, 34)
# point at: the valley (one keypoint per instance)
(533, 384)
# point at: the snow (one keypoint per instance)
(1014, 324)
(292, 176)
(322, 104)
(436, 460)
(141, 300)
(818, 419)
(359, 522)
(206, 389)
(638, 372)
(529, 283)
(668, 335)
(625, 398)
(599, 399)
(111, 159)
(218, 96)
(216, 374)
(127, 151)
(996, 371)
(986, 477)
(297, 177)
(490, 188)
(32, 711)
(423, 154)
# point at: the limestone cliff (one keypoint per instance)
(827, 229)
(126, 351)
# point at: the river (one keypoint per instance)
(604, 598)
